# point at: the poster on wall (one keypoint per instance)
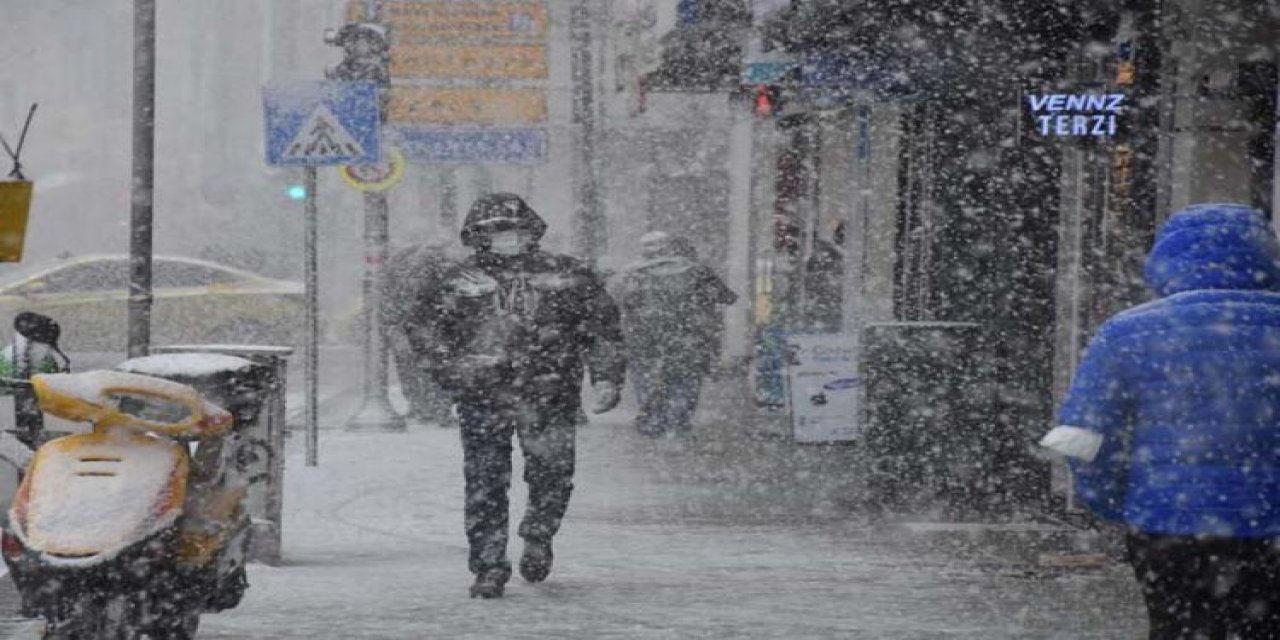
(825, 387)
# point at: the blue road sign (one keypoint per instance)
(472, 146)
(321, 123)
(767, 72)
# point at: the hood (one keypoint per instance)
(501, 209)
(1214, 246)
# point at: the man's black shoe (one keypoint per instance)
(488, 585)
(535, 564)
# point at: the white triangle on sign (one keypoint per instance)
(323, 137)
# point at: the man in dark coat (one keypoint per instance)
(410, 271)
(509, 332)
(1172, 425)
(671, 318)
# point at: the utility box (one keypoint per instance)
(932, 437)
(248, 381)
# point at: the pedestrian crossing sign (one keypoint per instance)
(322, 136)
(322, 123)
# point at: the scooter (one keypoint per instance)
(134, 529)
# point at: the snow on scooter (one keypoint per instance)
(123, 532)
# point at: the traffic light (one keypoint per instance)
(366, 53)
(765, 100)
(296, 192)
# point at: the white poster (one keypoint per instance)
(825, 387)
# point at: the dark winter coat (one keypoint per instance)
(527, 324)
(1184, 392)
(670, 308)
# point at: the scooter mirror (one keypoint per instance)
(37, 327)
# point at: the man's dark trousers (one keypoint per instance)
(546, 428)
(667, 389)
(1208, 588)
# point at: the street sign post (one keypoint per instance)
(322, 123)
(314, 124)
(366, 57)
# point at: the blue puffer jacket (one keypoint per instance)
(1185, 391)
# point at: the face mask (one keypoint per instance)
(508, 243)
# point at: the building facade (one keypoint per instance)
(896, 171)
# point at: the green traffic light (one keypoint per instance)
(297, 192)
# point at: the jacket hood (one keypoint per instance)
(501, 210)
(1214, 246)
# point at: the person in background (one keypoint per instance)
(510, 332)
(1172, 427)
(672, 322)
(824, 281)
(410, 271)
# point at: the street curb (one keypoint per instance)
(1046, 545)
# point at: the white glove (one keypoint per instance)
(607, 396)
(1073, 442)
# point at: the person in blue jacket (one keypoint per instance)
(1172, 427)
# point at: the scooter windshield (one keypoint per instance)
(118, 399)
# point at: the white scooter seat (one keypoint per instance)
(93, 494)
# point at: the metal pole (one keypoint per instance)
(142, 189)
(854, 311)
(591, 235)
(738, 267)
(311, 277)
(448, 201)
(375, 412)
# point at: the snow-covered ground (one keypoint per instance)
(727, 536)
(663, 540)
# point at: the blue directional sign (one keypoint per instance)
(472, 146)
(322, 123)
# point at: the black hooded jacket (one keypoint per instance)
(526, 324)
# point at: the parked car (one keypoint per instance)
(196, 301)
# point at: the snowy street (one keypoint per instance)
(663, 539)
(732, 535)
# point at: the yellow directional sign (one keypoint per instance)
(445, 106)
(15, 204)
(507, 61)
(443, 20)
